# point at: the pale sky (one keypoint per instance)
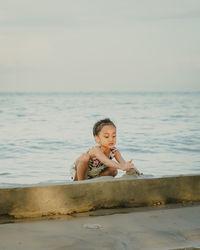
(105, 45)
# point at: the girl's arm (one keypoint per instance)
(96, 151)
(120, 159)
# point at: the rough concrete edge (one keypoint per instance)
(93, 207)
(99, 179)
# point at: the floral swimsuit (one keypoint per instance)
(95, 166)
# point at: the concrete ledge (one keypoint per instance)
(83, 196)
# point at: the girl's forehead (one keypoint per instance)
(108, 129)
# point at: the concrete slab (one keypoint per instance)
(37, 201)
(165, 228)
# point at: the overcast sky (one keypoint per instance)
(106, 45)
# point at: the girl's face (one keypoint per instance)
(107, 136)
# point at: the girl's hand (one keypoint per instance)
(133, 171)
(127, 165)
(137, 171)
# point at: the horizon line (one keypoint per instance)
(98, 91)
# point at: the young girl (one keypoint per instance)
(98, 160)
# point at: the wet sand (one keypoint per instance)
(162, 227)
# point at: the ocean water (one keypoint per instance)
(41, 134)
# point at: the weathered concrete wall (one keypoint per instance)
(86, 195)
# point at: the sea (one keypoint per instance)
(42, 134)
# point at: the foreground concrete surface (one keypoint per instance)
(148, 228)
(83, 196)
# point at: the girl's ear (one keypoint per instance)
(96, 138)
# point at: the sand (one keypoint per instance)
(163, 227)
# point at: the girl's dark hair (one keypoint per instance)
(100, 124)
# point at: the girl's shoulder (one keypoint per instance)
(92, 151)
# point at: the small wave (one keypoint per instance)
(177, 116)
(21, 108)
(8, 157)
(53, 143)
(138, 150)
(96, 115)
(20, 115)
(194, 150)
(6, 173)
(35, 147)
